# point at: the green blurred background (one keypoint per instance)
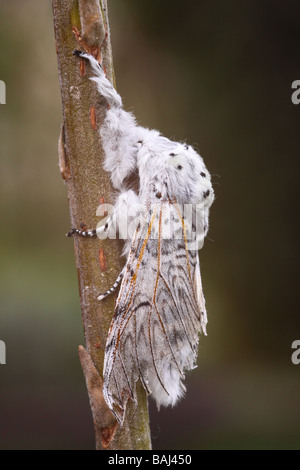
(217, 74)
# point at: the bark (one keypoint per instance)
(84, 24)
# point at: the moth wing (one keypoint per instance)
(200, 296)
(154, 332)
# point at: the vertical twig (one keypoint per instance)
(81, 156)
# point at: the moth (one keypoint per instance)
(160, 309)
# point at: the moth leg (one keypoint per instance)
(91, 233)
(114, 286)
(120, 135)
(126, 209)
(82, 233)
(104, 86)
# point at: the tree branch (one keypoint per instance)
(81, 156)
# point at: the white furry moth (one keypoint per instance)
(160, 309)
